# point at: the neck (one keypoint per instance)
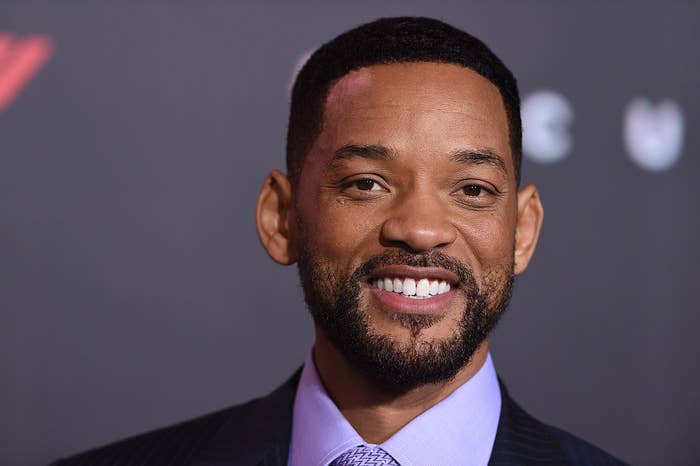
(375, 413)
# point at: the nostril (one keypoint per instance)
(417, 235)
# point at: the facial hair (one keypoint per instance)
(334, 303)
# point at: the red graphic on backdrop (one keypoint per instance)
(20, 60)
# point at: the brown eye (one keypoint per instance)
(365, 184)
(472, 190)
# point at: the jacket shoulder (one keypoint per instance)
(173, 445)
(526, 441)
(241, 434)
(580, 452)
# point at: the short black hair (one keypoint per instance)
(385, 41)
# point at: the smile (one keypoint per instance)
(422, 288)
(413, 290)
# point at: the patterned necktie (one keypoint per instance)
(365, 456)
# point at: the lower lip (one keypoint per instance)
(396, 302)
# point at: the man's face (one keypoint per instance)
(409, 185)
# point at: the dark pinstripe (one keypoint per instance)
(257, 433)
(524, 441)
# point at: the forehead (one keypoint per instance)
(416, 106)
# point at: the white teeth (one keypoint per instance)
(434, 286)
(409, 287)
(388, 284)
(423, 287)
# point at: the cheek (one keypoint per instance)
(490, 239)
(339, 232)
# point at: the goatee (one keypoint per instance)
(334, 303)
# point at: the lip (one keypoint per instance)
(407, 271)
(398, 303)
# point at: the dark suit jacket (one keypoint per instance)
(257, 433)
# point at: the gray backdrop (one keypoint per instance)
(133, 290)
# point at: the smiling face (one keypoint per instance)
(404, 220)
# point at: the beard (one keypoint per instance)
(335, 305)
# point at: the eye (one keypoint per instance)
(366, 184)
(473, 190)
(363, 188)
(477, 194)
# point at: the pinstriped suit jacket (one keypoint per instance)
(257, 433)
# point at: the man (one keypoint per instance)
(402, 209)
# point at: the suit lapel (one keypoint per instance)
(521, 440)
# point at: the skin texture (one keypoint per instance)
(419, 199)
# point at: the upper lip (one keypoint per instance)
(407, 271)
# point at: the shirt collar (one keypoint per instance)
(459, 430)
(319, 430)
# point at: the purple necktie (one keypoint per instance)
(365, 456)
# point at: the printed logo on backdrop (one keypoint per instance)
(547, 117)
(652, 134)
(20, 59)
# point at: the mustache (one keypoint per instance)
(428, 259)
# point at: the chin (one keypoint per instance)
(413, 330)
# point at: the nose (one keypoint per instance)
(418, 223)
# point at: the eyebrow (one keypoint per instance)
(481, 156)
(371, 152)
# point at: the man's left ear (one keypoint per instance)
(527, 230)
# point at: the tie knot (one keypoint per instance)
(365, 456)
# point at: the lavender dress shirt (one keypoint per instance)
(459, 430)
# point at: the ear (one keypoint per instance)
(527, 230)
(274, 218)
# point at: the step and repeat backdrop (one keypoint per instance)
(134, 138)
